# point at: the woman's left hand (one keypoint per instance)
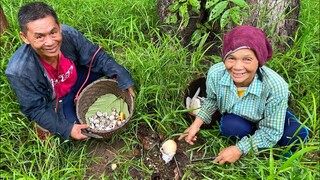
(130, 89)
(230, 154)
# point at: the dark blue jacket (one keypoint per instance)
(34, 91)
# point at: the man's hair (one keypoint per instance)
(34, 11)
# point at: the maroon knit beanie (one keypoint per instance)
(247, 37)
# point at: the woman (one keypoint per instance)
(252, 98)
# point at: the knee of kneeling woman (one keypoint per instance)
(294, 131)
(301, 136)
(234, 126)
(304, 134)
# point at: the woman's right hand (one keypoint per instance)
(189, 134)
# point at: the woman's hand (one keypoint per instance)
(190, 133)
(230, 154)
(76, 131)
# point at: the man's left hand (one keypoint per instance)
(230, 154)
(130, 90)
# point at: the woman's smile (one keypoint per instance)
(242, 66)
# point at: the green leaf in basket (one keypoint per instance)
(105, 103)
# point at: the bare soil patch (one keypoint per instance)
(149, 152)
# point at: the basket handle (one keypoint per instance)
(89, 70)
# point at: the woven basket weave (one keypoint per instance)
(92, 92)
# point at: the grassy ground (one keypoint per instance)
(129, 31)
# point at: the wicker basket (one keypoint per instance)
(92, 92)
(190, 91)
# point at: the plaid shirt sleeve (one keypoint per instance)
(270, 128)
(210, 104)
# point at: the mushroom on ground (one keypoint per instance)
(168, 150)
(169, 146)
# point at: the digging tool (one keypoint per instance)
(86, 133)
(203, 159)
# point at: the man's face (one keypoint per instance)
(242, 66)
(45, 37)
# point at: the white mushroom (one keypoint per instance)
(188, 102)
(195, 105)
(168, 150)
(99, 114)
(195, 102)
(169, 146)
(96, 121)
(103, 120)
(112, 117)
(113, 166)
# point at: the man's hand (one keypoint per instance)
(190, 133)
(130, 90)
(230, 154)
(76, 131)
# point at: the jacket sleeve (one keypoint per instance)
(103, 63)
(38, 108)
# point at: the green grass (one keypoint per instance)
(130, 32)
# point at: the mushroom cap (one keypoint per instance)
(169, 146)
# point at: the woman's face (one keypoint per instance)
(242, 66)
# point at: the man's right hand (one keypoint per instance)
(76, 131)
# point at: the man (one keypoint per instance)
(47, 71)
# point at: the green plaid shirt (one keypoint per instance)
(264, 103)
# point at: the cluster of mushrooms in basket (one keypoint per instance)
(107, 113)
(104, 121)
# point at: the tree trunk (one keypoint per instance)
(3, 23)
(278, 18)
